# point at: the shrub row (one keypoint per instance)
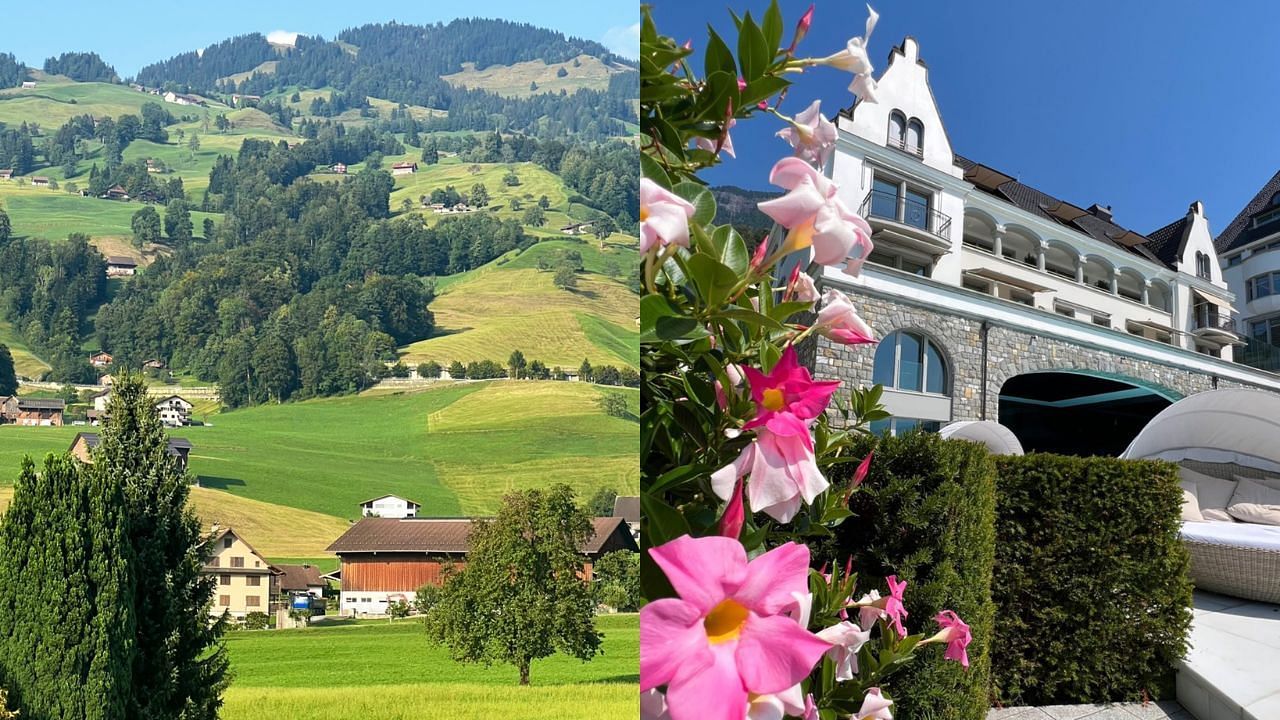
(1090, 580)
(1069, 571)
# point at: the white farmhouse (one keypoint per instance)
(174, 411)
(389, 506)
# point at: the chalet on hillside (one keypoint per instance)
(576, 228)
(115, 192)
(246, 581)
(339, 168)
(174, 411)
(627, 507)
(385, 560)
(183, 99)
(153, 364)
(39, 181)
(300, 579)
(31, 412)
(28, 85)
(100, 359)
(6, 174)
(245, 100)
(389, 506)
(121, 266)
(153, 166)
(404, 168)
(83, 445)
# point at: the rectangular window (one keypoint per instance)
(916, 210)
(251, 601)
(1103, 320)
(1275, 330)
(910, 362)
(237, 562)
(1063, 310)
(224, 579)
(224, 600)
(884, 199)
(253, 581)
(213, 562)
(226, 542)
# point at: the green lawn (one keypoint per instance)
(25, 363)
(385, 671)
(514, 80)
(54, 101)
(54, 214)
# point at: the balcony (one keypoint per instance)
(1259, 354)
(907, 221)
(1214, 327)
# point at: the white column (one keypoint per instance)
(999, 246)
(1146, 286)
(1040, 256)
(1080, 260)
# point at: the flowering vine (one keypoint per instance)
(735, 442)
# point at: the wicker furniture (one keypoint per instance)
(1242, 568)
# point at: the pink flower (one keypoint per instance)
(810, 709)
(664, 217)
(812, 135)
(802, 29)
(787, 398)
(870, 609)
(893, 607)
(735, 379)
(813, 215)
(955, 633)
(838, 320)
(859, 475)
(847, 639)
(854, 59)
(725, 637)
(783, 474)
(731, 522)
(874, 705)
(776, 706)
(653, 705)
(800, 287)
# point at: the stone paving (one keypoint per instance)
(1165, 710)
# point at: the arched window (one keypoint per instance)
(1202, 266)
(897, 129)
(910, 361)
(915, 137)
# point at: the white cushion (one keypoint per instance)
(1254, 502)
(1190, 503)
(1262, 537)
(1216, 515)
(1213, 493)
(1271, 482)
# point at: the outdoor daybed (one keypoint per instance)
(1227, 443)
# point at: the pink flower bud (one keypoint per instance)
(802, 29)
(731, 523)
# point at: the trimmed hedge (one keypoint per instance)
(927, 514)
(1090, 580)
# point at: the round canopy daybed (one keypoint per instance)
(1225, 434)
(999, 439)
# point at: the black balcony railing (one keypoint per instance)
(1214, 322)
(900, 208)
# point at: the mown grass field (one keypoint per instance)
(384, 671)
(55, 100)
(513, 80)
(25, 363)
(54, 214)
(328, 455)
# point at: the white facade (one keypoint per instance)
(951, 220)
(389, 506)
(371, 602)
(1251, 267)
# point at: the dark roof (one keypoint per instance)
(442, 535)
(627, 508)
(92, 440)
(1167, 241)
(1240, 231)
(122, 260)
(299, 577)
(1092, 222)
(37, 404)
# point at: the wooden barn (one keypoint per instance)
(387, 559)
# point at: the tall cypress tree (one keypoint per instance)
(66, 619)
(179, 669)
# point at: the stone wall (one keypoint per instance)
(1010, 352)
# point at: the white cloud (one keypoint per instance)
(623, 40)
(282, 37)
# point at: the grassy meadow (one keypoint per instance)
(56, 99)
(324, 673)
(25, 363)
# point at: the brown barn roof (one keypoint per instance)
(627, 507)
(39, 404)
(92, 440)
(440, 535)
(299, 577)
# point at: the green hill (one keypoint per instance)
(455, 448)
(56, 100)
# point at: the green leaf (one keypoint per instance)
(772, 28)
(718, 57)
(732, 248)
(653, 307)
(714, 281)
(664, 522)
(652, 170)
(783, 311)
(750, 317)
(704, 203)
(753, 51)
(676, 328)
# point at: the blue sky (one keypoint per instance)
(129, 33)
(1143, 106)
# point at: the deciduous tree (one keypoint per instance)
(522, 595)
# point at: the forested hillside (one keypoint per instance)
(404, 64)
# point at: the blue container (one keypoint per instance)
(301, 602)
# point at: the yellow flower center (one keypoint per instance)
(725, 621)
(773, 399)
(799, 238)
(644, 213)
